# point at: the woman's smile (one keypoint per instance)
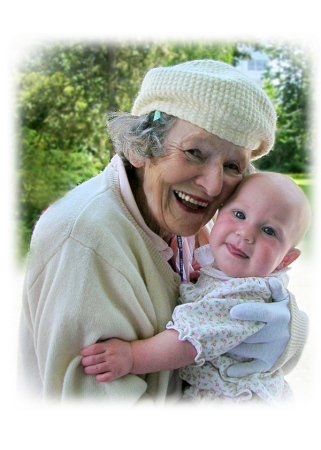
(190, 202)
(181, 191)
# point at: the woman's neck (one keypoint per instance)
(135, 178)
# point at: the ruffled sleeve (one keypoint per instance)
(206, 322)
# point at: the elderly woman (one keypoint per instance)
(107, 259)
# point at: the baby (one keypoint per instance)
(253, 240)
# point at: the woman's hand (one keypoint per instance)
(108, 360)
(267, 345)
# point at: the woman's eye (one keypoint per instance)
(269, 231)
(239, 215)
(234, 167)
(194, 152)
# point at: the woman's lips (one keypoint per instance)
(235, 251)
(190, 202)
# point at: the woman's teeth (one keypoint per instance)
(189, 199)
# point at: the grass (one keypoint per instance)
(305, 181)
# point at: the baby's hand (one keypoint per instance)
(194, 275)
(108, 360)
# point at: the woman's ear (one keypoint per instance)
(291, 256)
(136, 162)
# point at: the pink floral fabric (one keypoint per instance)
(203, 319)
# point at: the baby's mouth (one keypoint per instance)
(189, 201)
(235, 251)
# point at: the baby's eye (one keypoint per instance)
(239, 215)
(269, 231)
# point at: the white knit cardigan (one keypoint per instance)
(93, 274)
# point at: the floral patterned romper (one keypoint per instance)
(203, 319)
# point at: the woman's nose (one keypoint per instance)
(211, 180)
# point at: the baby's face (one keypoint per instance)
(253, 232)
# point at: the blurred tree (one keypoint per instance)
(65, 90)
(288, 83)
(63, 94)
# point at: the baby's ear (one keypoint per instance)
(291, 256)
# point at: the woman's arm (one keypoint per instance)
(64, 313)
(115, 358)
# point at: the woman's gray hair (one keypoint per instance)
(140, 137)
(250, 169)
(143, 137)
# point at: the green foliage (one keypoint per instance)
(63, 95)
(64, 92)
(288, 83)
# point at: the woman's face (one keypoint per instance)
(181, 191)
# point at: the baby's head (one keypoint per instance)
(258, 227)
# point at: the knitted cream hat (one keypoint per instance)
(214, 96)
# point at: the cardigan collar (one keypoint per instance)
(131, 205)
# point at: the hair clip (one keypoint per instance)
(158, 116)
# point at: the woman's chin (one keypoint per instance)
(186, 227)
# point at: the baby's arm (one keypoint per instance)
(115, 358)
